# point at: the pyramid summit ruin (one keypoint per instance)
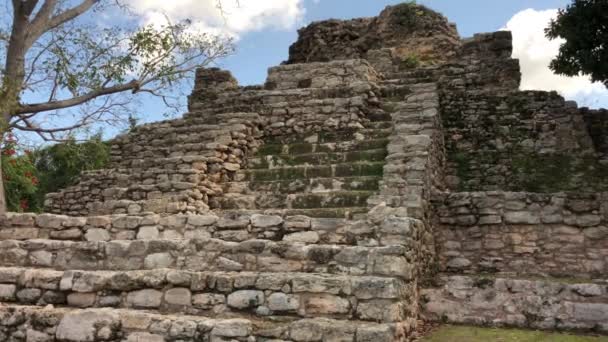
(388, 173)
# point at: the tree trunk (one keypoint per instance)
(2, 194)
(12, 83)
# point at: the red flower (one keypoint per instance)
(9, 152)
(35, 181)
(23, 204)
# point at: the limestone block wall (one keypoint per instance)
(560, 235)
(321, 75)
(597, 125)
(211, 255)
(520, 141)
(379, 231)
(533, 304)
(114, 325)
(414, 164)
(207, 293)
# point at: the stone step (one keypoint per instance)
(107, 324)
(319, 158)
(361, 169)
(380, 117)
(502, 300)
(376, 299)
(333, 136)
(314, 185)
(295, 201)
(388, 124)
(210, 255)
(238, 227)
(298, 148)
(356, 213)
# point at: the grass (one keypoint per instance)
(450, 333)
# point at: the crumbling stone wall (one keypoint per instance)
(557, 235)
(519, 141)
(597, 125)
(175, 166)
(532, 304)
(301, 229)
(404, 33)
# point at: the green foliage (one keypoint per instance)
(408, 14)
(30, 175)
(585, 50)
(409, 62)
(59, 165)
(19, 176)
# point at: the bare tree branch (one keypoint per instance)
(43, 24)
(75, 101)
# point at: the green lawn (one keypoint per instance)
(472, 334)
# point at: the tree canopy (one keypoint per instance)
(584, 27)
(65, 68)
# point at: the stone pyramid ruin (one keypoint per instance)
(388, 173)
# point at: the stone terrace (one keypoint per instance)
(389, 172)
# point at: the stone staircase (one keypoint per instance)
(326, 174)
(153, 285)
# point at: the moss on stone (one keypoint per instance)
(531, 172)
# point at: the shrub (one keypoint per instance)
(20, 176)
(59, 165)
(408, 14)
(409, 62)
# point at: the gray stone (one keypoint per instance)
(178, 296)
(232, 328)
(81, 300)
(50, 221)
(283, 302)
(207, 301)
(29, 295)
(596, 233)
(305, 237)
(458, 263)
(245, 299)
(202, 220)
(144, 337)
(265, 221)
(7, 292)
(97, 234)
(148, 233)
(522, 217)
(81, 326)
(158, 260)
(146, 298)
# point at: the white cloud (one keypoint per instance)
(239, 16)
(535, 52)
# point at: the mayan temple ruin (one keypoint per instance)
(388, 173)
